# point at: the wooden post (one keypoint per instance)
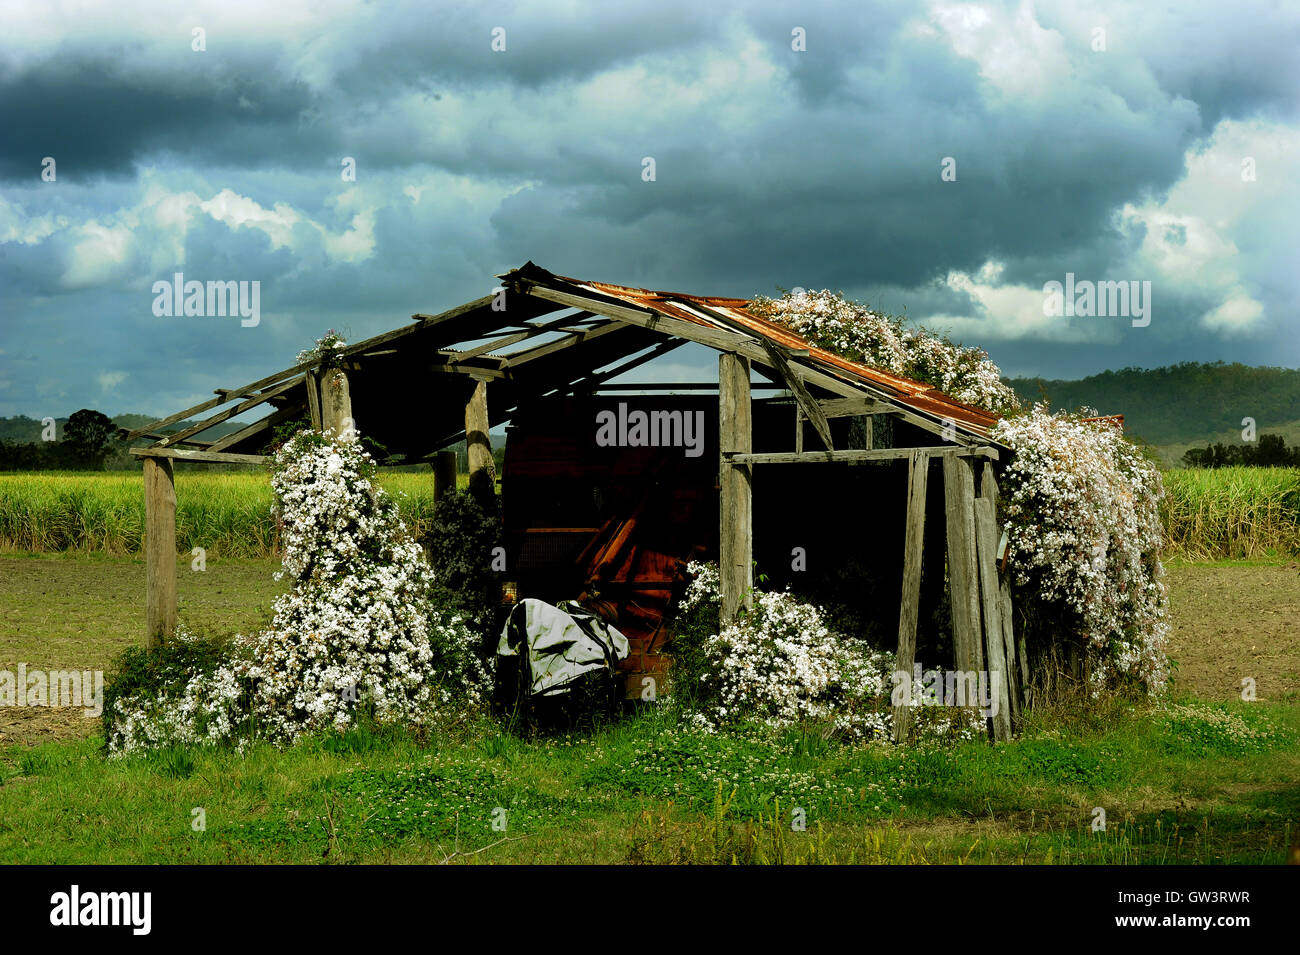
(1016, 664)
(160, 550)
(995, 648)
(444, 474)
(736, 505)
(478, 445)
(963, 575)
(336, 402)
(918, 468)
(312, 381)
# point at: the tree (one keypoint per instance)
(89, 434)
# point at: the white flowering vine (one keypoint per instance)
(1081, 508)
(327, 351)
(358, 631)
(853, 331)
(780, 664)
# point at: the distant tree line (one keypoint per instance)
(1178, 403)
(1270, 451)
(89, 439)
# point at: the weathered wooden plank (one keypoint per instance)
(812, 411)
(313, 399)
(207, 457)
(724, 340)
(478, 444)
(588, 382)
(223, 396)
(575, 338)
(197, 442)
(444, 474)
(986, 539)
(472, 371)
(959, 503)
(160, 550)
(270, 421)
(1016, 663)
(736, 507)
(851, 407)
(530, 331)
(681, 386)
(909, 611)
(850, 456)
(253, 402)
(745, 344)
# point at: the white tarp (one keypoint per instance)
(563, 643)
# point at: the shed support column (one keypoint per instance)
(444, 474)
(1016, 662)
(160, 550)
(999, 660)
(918, 468)
(963, 573)
(336, 402)
(478, 445)
(736, 541)
(313, 400)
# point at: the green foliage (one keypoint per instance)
(89, 433)
(1185, 402)
(155, 672)
(1179, 786)
(228, 514)
(1208, 730)
(175, 762)
(460, 539)
(1212, 514)
(690, 629)
(1270, 451)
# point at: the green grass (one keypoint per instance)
(1232, 513)
(1204, 784)
(226, 513)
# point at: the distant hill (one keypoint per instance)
(1189, 403)
(22, 428)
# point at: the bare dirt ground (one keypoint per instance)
(1234, 622)
(79, 612)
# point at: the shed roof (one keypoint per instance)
(409, 384)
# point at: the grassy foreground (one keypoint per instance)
(1194, 784)
(1218, 782)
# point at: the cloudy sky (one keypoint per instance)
(1116, 141)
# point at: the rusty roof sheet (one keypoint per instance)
(915, 395)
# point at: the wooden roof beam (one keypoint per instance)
(243, 406)
(857, 457)
(278, 417)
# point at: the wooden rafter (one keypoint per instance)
(240, 408)
(531, 331)
(807, 404)
(823, 376)
(270, 421)
(577, 337)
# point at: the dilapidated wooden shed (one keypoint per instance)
(832, 458)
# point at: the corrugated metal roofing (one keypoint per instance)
(915, 395)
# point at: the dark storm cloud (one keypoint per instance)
(100, 113)
(774, 168)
